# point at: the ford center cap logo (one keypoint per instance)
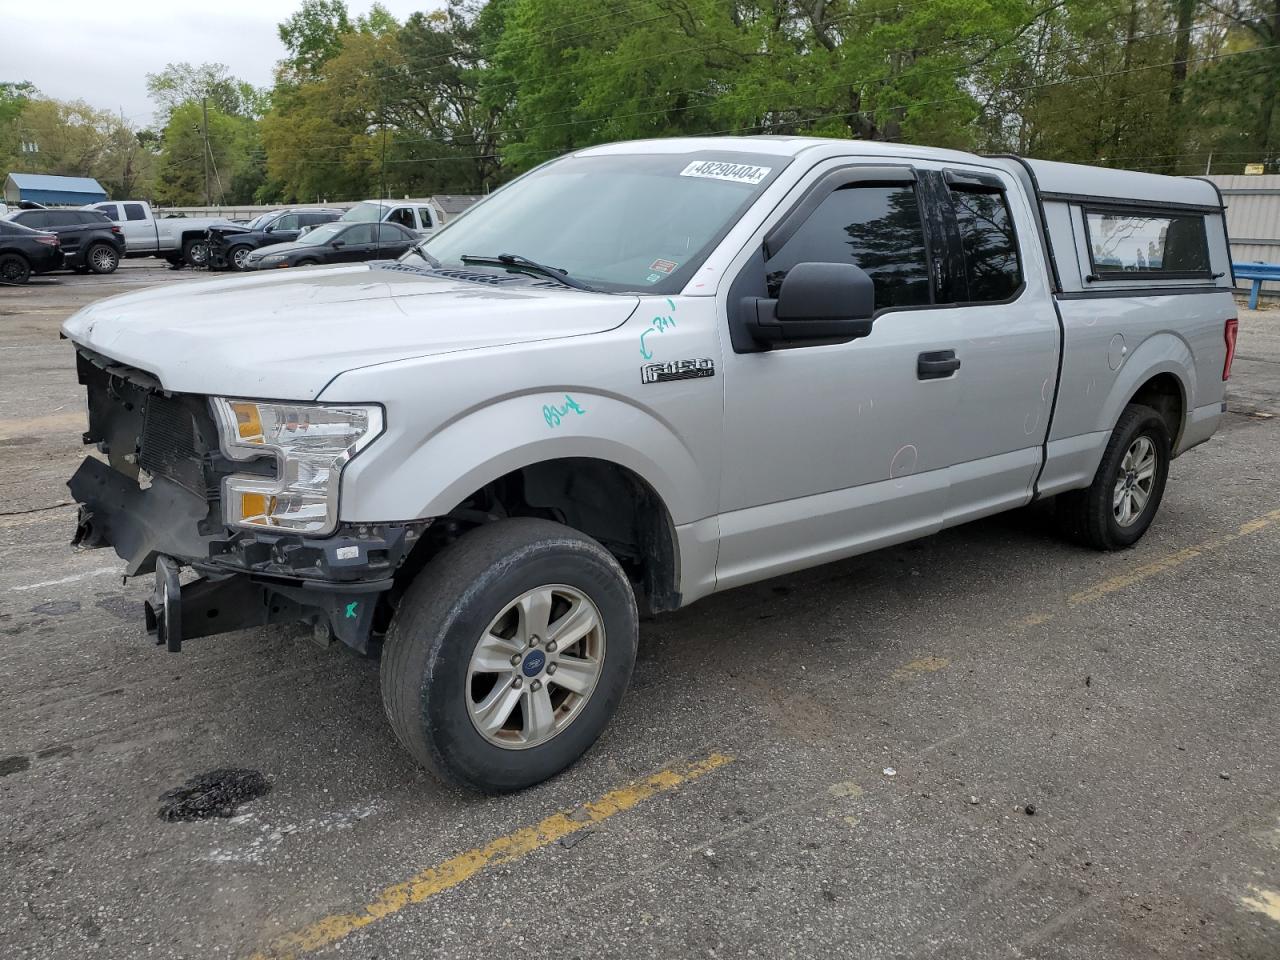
(534, 662)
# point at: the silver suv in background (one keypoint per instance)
(636, 375)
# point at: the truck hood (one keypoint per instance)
(285, 335)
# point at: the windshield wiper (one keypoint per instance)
(515, 260)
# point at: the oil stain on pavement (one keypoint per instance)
(218, 793)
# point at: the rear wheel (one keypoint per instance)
(1118, 507)
(14, 268)
(102, 258)
(509, 653)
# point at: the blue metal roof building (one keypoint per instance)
(50, 190)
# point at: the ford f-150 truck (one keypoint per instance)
(176, 239)
(634, 376)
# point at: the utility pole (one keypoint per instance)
(204, 133)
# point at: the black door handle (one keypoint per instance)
(937, 364)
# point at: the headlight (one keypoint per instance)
(311, 444)
(271, 258)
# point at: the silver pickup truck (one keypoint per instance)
(636, 375)
(180, 240)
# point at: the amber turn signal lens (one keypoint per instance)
(256, 507)
(248, 422)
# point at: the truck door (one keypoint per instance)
(426, 221)
(139, 231)
(1008, 340)
(402, 216)
(834, 448)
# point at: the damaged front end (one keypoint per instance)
(159, 500)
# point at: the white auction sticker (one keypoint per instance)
(719, 170)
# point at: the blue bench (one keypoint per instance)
(1257, 272)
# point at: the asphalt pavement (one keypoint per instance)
(985, 744)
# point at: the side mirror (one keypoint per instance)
(817, 301)
(338, 244)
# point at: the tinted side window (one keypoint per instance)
(990, 244)
(1122, 242)
(63, 218)
(110, 210)
(311, 219)
(424, 214)
(876, 228)
(134, 211)
(35, 219)
(402, 216)
(360, 234)
(288, 221)
(388, 233)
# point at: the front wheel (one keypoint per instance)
(509, 654)
(238, 255)
(195, 252)
(1118, 507)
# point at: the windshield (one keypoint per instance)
(321, 234)
(259, 221)
(639, 222)
(364, 212)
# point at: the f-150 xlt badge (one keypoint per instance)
(676, 370)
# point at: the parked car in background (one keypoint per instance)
(336, 242)
(24, 251)
(230, 245)
(176, 239)
(89, 240)
(423, 217)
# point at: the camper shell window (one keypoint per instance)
(1137, 244)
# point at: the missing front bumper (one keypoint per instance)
(178, 612)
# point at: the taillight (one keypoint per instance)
(48, 241)
(1229, 335)
(116, 230)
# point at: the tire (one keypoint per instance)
(306, 263)
(195, 252)
(14, 269)
(1105, 516)
(237, 255)
(435, 688)
(102, 258)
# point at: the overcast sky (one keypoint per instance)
(102, 52)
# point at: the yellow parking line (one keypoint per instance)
(422, 886)
(1164, 564)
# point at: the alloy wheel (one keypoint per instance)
(535, 667)
(1136, 480)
